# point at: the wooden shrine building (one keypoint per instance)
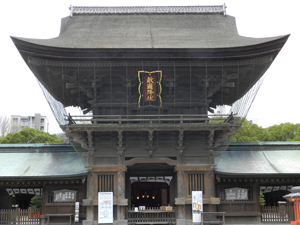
(242, 173)
(148, 80)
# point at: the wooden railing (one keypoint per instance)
(157, 216)
(151, 216)
(19, 216)
(121, 119)
(277, 214)
(212, 218)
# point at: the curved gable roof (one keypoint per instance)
(184, 30)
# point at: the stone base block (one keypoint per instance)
(87, 222)
(121, 222)
(87, 202)
(180, 221)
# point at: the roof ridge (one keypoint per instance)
(79, 10)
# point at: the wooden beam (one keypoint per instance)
(229, 85)
(98, 169)
(232, 76)
(150, 148)
(68, 77)
(72, 85)
(195, 168)
(75, 91)
(211, 138)
(209, 109)
(134, 161)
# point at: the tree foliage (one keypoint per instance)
(35, 202)
(262, 200)
(30, 135)
(250, 132)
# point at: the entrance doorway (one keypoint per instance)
(151, 185)
(22, 200)
(150, 192)
(272, 198)
(17, 197)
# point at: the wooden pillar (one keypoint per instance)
(121, 183)
(92, 182)
(180, 200)
(90, 148)
(296, 210)
(210, 181)
(91, 195)
(181, 183)
(122, 203)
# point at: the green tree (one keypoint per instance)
(262, 200)
(217, 119)
(297, 135)
(283, 132)
(30, 135)
(249, 132)
(35, 202)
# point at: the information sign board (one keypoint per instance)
(64, 196)
(197, 206)
(232, 194)
(105, 207)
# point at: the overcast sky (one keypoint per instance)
(276, 102)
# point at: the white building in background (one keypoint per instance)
(37, 121)
(221, 109)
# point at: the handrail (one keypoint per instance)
(148, 118)
(160, 115)
(133, 120)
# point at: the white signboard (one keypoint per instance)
(232, 194)
(105, 207)
(197, 206)
(76, 217)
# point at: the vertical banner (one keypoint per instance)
(197, 206)
(76, 217)
(150, 88)
(105, 207)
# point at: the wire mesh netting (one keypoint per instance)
(188, 88)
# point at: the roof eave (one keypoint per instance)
(52, 177)
(255, 175)
(58, 53)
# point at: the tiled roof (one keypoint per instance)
(149, 31)
(40, 161)
(258, 163)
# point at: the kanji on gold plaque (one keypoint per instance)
(150, 88)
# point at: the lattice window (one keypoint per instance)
(106, 183)
(236, 193)
(196, 182)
